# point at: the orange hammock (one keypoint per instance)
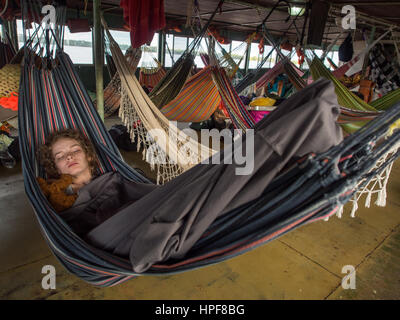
(197, 101)
(150, 77)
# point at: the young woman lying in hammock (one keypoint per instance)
(70, 162)
(150, 223)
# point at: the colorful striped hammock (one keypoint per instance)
(172, 83)
(112, 93)
(272, 73)
(241, 118)
(346, 98)
(313, 189)
(197, 101)
(149, 77)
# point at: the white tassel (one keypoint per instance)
(368, 200)
(381, 201)
(339, 213)
(354, 209)
(151, 162)
(138, 143)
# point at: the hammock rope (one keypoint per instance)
(252, 77)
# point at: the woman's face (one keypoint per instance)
(70, 158)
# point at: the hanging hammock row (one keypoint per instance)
(234, 233)
(52, 97)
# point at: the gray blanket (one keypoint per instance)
(155, 223)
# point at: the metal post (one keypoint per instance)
(98, 57)
(161, 47)
(12, 27)
(247, 59)
(366, 56)
(4, 28)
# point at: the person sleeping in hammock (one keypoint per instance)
(148, 223)
(70, 163)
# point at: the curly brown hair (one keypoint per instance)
(46, 157)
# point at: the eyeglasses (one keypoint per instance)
(62, 158)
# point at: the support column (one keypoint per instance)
(161, 47)
(98, 57)
(366, 57)
(4, 29)
(247, 59)
(12, 27)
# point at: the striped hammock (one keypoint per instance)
(149, 77)
(112, 93)
(241, 118)
(171, 84)
(247, 84)
(346, 98)
(311, 190)
(294, 74)
(197, 101)
(387, 100)
(271, 74)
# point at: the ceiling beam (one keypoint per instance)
(226, 11)
(253, 5)
(356, 3)
(224, 22)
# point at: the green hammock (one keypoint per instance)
(175, 78)
(346, 98)
(387, 100)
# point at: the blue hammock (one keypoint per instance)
(312, 189)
